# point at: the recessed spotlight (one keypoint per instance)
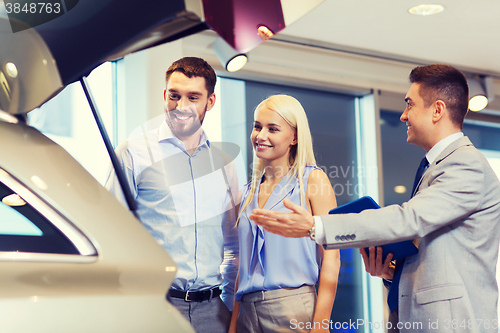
(426, 9)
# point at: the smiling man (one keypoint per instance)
(185, 188)
(187, 99)
(450, 284)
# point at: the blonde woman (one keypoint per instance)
(277, 275)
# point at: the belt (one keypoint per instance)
(195, 296)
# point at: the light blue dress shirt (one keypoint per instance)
(187, 202)
(269, 261)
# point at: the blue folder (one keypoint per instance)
(399, 250)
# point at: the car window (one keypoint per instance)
(24, 229)
(14, 223)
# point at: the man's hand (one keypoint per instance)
(374, 265)
(294, 224)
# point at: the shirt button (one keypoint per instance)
(337, 238)
(353, 236)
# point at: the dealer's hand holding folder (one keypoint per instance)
(380, 260)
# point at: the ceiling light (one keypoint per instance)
(236, 63)
(229, 57)
(478, 102)
(480, 92)
(426, 9)
(400, 189)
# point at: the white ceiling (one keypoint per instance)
(466, 34)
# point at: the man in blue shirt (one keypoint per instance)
(185, 187)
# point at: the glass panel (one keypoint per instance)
(486, 138)
(400, 159)
(233, 122)
(483, 135)
(14, 223)
(67, 119)
(24, 229)
(493, 156)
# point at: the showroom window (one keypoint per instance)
(399, 158)
(67, 119)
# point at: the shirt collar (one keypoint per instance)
(165, 133)
(441, 145)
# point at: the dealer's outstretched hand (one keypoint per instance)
(295, 224)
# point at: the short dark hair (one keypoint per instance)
(192, 66)
(446, 83)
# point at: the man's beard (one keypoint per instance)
(181, 130)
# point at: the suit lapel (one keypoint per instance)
(462, 142)
(450, 149)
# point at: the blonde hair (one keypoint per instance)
(301, 154)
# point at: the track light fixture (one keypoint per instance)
(231, 59)
(481, 92)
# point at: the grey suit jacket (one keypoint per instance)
(450, 285)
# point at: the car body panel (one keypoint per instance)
(99, 314)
